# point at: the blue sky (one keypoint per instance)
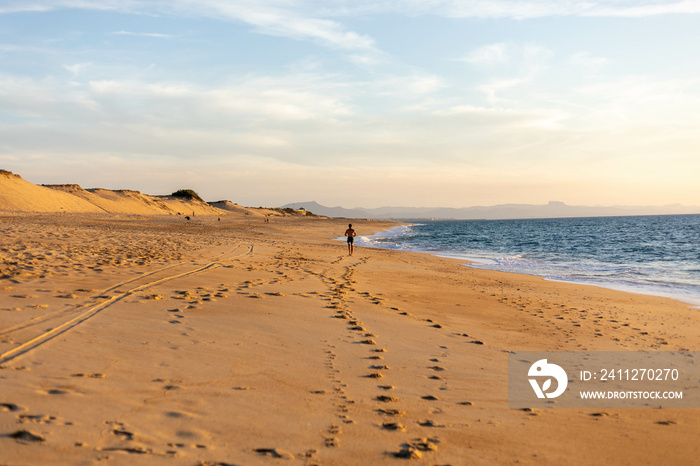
(357, 103)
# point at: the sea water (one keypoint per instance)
(656, 255)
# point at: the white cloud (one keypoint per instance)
(493, 54)
(143, 34)
(296, 20)
(255, 98)
(493, 88)
(405, 87)
(623, 8)
(321, 20)
(77, 68)
(524, 60)
(526, 9)
(294, 25)
(502, 117)
(635, 90)
(587, 60)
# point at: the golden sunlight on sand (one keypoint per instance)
(225, 339)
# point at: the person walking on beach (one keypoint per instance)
(350, 233)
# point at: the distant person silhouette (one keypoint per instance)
(350, 233)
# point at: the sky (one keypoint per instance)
(357, 103)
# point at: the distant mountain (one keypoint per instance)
(553, 209)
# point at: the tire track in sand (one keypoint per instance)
(68, 320)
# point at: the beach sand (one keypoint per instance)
(153, 340)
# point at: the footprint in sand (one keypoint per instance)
(120, 431)
(332, 442)
(152, 297)
(36, 418)
(56, 391)
(274, 453)
(415, 448)
(10, 407)
(430, 423)
(394, 426)
(335, 430)
(25, 436)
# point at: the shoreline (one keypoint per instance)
(247, 342)
(692, 300)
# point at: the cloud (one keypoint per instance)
(503, 117)
(525, 59)
(143, 34)
(585, 59)
(641, 9)
(493, 88)
(256, 98)
(292, 19)
(528, 9)
(493, 54)
(77, 68)
(321, 21)
(408, 87)
(638, 91)
(331, 33)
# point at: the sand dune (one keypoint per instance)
(229, 206)
(19, 195)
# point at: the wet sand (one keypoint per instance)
(153, 340)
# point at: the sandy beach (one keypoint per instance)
(153, 340)
(176, 182)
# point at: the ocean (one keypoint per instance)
(655, 255)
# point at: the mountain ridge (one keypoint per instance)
(553, 209)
